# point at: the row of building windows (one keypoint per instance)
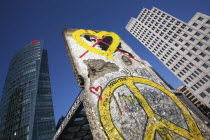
(169, 18)
(203, 28)
(185, 35)
(203, 95)
(200, 82)
(164, 22)
(173, 28)
(175, 35)
(201, 19)
(192, 76)
(194, 49)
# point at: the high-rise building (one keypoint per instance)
(26, 109)
(184, 48)
(195, 102)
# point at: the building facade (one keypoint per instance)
(26, 109)
(186, 93)
(184, 48)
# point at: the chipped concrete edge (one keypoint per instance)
(79, 78)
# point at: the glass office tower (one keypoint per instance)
(26, 109)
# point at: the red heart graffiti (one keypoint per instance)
(96, 90)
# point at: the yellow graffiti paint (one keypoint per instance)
(155, 122)
(109, 52)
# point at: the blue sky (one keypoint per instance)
(23, 21)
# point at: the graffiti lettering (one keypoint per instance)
(155, 122)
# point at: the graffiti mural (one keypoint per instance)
(156, 122)
(124, 98)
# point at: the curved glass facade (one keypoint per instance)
(26, 109)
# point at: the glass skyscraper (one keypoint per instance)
(26, 108)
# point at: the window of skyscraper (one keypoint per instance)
(187, 44)
(165, 29)
(197, 60)
(182, 49)
(183, 26)
(161, 34)
(197, 34)
(192, 39)
(186, 81)
(191, 64)
(169, 24)
(203, 95)
(178, 54)
(195, 24)
(164, 22)
(189, 54)
(193, 74)
(172, 20)
(200, 44)
(203, 28)
(163, 15)
(208, 22)
(194, 49)
(166, 37)
(196, 86)
(182, 60)
(176, 44)
(205, 65)
(180, 40)
(205, 79)
(185, 35)
(208, 49)
(196, 72)
(190, 30)
(200, 18)
(198, 83)
(171, 40)
(159, 20)
(191, 77)
(208, 90)
(208, 77)
(202, 54)
(177, 23)
(179, 63)
(193, 88)
(206, 38)
(170, 32)
(175, 35)
(199, 70)
(202, 81)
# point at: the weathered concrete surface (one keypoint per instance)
(124, 98)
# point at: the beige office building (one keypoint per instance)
(184, 48)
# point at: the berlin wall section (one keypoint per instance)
(123, 98)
